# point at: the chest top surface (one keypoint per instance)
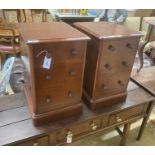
(49, 32)
(106, 30)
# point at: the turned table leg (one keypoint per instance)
(125, 134)
(145, 119)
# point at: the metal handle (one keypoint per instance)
(93, 126)
(48, 77)
(70, 93)
(73, 52)
(118, 119)
(104, 86)
(72, 72)
(48, 99)
(111, 48)
(35, 144)
(107, 66)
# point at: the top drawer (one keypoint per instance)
(120, 47)
(59, 52)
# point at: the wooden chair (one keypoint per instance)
(150, 36)
(18, 12)
(9, 41)
(43, 12)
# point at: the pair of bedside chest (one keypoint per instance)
(66, 65)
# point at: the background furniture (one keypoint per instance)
(43, 13)
(54, 88)
(18, 13)
(146, 79)
(109, 60)
(15, 117)
(71, 18)
(9, 41)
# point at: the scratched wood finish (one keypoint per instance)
(109, 60)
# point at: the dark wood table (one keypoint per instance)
(145, 79)
(16, 127)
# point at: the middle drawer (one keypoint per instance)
(78, 130)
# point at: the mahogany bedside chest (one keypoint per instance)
(56, 59)
(109, 60)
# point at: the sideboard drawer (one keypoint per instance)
(126, 114)
(78, 130)
(43, 141)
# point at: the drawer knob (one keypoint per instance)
(120, 83)
(128, 45)
(104, 86)
(124, 63)
(72, 73)
(48, 77)
(70, 93)
(118, 119)
(35, 144)
(93, 126)
(107, 66)
(48, 100)
(73, 52)
(69, 137)
(111, 48)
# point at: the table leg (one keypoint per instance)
(125, 134)
(145, 119)
(0, 62)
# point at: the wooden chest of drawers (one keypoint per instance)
(109, 60)
(56, 53)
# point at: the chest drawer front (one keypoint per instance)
(43, 141)
(58, 97)
(126, 114)
(119, 47)
(61, 51)
(113, 65)
(60, 73)
(79, 130)
(60, 87)
(106, 86)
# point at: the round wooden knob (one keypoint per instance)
(107, 66)
(124, 63)
(111, 48)
(72, 72)
(128, 45)
(118, 119)
(120, 83)
(48, 99)
(70, 93)
(73, 52)
(48, 77)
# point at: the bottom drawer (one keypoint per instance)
(126, 114)
(43, 141)
(68, 134)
